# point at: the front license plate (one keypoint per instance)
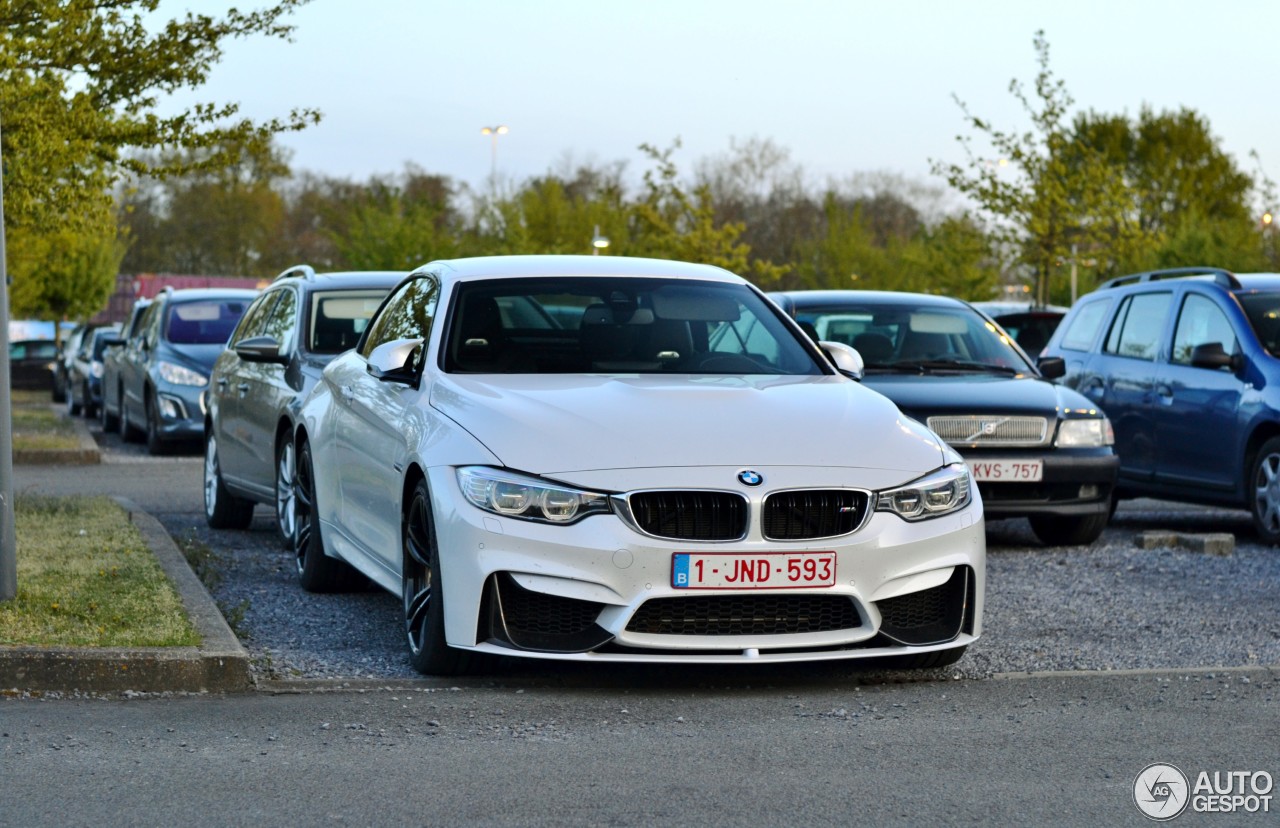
(767, 570)
(1007, 471)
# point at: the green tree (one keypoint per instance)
(1047, 191)
(1185, 193)
(396, 223)
(670, 222)
(222, 221)
(79, 86)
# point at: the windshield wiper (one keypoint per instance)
(926, 365)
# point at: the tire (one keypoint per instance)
(59, 388)
(317, 572)
(89, 410)
(1080, 530)
(1264, 492)
(222, 510)
(926, 661)
(156, 445)
(110, 422)
(423, 593)
(286, 468)
(73, 407)
(129, 432)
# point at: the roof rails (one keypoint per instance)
(306, 272)
(1222, 277)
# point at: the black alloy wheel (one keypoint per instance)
(317, 572)
(423, 593)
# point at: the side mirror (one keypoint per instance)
(1213, 355)
(260, 349)
(846, 360)
(1052, 367)
(113, 341)
(394, 361)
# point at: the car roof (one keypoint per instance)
(341, 280)
(835, 298)
(198, 294)
(1003, 307)
(502, 267)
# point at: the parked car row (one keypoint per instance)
(611, 459)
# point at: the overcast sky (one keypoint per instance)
(847, 87)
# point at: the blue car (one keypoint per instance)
(1184, 362)
(165, 365)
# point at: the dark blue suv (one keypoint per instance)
(1184, 363)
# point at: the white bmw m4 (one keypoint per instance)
(626, 460)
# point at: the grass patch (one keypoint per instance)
(37, 426)
(87, 579)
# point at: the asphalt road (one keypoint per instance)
(561, 745)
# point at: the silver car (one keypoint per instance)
(286, 337)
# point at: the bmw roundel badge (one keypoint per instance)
(750, 478)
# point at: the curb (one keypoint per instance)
(220, 664)
(86, 454)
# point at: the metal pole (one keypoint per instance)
(8, 538)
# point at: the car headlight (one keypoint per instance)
(179, 375)
(946, 490)
(516, 495)
(1090, 433)
(95, 370)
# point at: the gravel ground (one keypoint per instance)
(1111, 606)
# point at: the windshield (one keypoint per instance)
(619, 325)
(1263, 310)
(907, 337)
(204, 323)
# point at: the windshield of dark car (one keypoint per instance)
(207, 322)
(909, 337)
(619, 325)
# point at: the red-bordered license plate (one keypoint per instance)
(1007, 471)
(766, 570)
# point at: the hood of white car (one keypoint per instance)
(562, 423)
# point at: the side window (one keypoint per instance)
(149, 327)
(251, 324)
(1084, 325)
(281, 323)
(1138, 326)
(1200, 323)
(408, 314)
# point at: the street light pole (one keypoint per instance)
(598, 242)
(493, 132)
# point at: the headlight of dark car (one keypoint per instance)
(1094, 432)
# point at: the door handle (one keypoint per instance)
(243, 388)
(222, 382)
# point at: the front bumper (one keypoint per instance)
(180, 411)
(1074, 482)
(600, 591)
